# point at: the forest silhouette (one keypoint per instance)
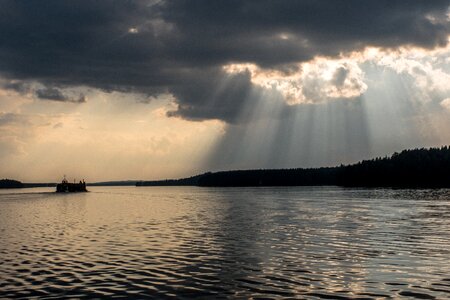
(417, 168)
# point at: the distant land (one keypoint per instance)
(14, 184)
(114, 183)
(417, 168)
(11, 184)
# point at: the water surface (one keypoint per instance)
(189, 242)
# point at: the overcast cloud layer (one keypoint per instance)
(181, 47)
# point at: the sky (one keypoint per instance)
(115, 90)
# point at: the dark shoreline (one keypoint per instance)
(418, 168)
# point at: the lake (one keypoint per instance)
(192, 242)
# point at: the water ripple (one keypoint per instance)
(260, 243)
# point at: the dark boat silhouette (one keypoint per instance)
(67, 187)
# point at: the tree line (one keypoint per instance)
(409, 168)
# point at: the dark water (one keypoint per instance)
(187, 242)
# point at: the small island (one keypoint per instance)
(10, 184)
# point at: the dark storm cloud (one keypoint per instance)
(17, 86)
(51, 94)
(55, 94)
(216, 96)
(180, 46)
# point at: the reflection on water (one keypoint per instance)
(160, 242)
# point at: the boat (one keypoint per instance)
(67, 187)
